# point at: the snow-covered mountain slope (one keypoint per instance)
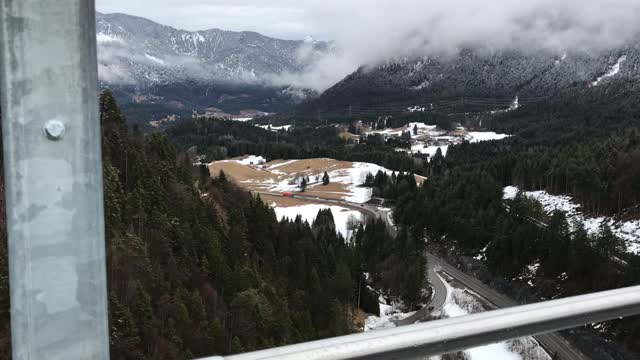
(137, 51)
(501, 74)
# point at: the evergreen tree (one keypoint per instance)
(325, 179)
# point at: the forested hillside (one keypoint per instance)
(583, 149)
(197, 266)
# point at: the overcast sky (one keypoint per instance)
(496, 23)
(286, 19)
(372, 31)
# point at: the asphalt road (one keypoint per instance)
(437, 301)
(553, 342)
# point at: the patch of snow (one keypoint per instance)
(242, 119)
(416, 108)
(629, 231)
(103, 38)
(423, 85)
(424, 129)
(355, 177)
(154, 59)
(275, 128)
(309, 213)
(272, 167)
(250, 160)
(613, 71)
(386, 318)
(515, 104)
(482, 255)
(479, 136)
(510, 192)
(461, 303)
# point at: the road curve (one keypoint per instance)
(438, 299)
(552, 342)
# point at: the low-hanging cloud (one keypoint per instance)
(370, 32)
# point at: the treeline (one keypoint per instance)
(602, 174)
(398, 267)
(573, 116)
(390, 186)
(227, 139)
(218, 139)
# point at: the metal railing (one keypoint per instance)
(423, 340)
(53, 171)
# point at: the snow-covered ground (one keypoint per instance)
(352, 178)
(155, 59)
(388, 314)
(283, 176)
(612, 71)
(479, 136)
(427, 139)
(460, 303)
(341, 215)
(105, 38)
(629, 231)
(249, 160)
(515, 105)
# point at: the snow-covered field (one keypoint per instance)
(427, 139)
(629, 231)
(346, 178)
(479, 136)
(341, 215)
(352, 178)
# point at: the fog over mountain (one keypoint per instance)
(370, 35)
(395, 29)
(137, 51)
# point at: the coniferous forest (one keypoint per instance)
(587, 151)
(196, 266)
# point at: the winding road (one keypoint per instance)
(552, 342)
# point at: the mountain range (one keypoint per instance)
(498, 75)
(153, 65)
(156, 70)
(138, 51)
